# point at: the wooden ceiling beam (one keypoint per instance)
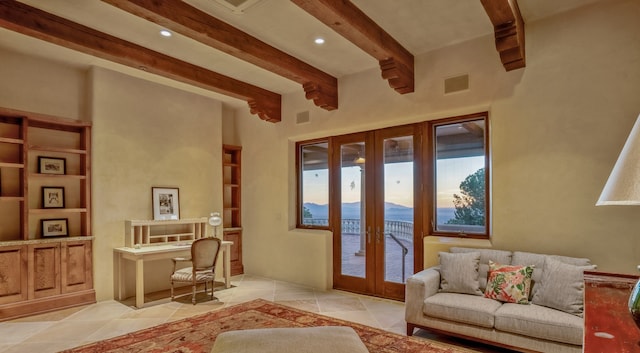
(344, 17)
(189, 21)
(509, 31)
(36, 23)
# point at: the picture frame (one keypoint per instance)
(52, 165)
(58, 227)
(166, 203)
(52, 197)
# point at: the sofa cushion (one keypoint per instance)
(486, 255)
(537, 261)
(469, 309)
(509, 283)
(540, 322)
(561, 286)
(459, 272)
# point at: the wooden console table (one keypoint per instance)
(608, 326)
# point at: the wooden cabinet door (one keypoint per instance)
(13, 274)
(236, 251)
(44, 270)
(76, 266)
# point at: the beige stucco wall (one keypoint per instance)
(557, 128)
(146, 135)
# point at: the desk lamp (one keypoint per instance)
(215, 220)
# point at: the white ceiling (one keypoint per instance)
(419, 25)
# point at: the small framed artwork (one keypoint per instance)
(51, 165)
(52, 197)
(55, 227)
(166, 203)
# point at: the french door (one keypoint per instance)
(376, 243)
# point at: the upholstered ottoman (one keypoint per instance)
(330, 339)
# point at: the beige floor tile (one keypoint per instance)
(43, 347)
(306, 305)
(293, 294)
(251, 294)
(340, 304)
(105, 310)
(68, 331)
(158, 311)
(16, 332)
(361, 317)
(120, 327)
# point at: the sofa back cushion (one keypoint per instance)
(498, 256)
(459, 272)
(562, 286)
(537, 261)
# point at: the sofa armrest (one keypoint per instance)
(419, 287)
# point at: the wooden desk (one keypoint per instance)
(158, 252)
(608, 326)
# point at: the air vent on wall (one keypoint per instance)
(302, 117)
(237, 6)
(456, 84)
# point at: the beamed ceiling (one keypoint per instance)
(254, 51)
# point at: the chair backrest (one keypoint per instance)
(204, 252)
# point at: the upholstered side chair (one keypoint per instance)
(204, 254)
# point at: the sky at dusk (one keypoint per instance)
(398, 182)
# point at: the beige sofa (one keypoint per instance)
(450, 298)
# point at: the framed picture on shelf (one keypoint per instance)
(52, 197)
(52, 165)
(166, 203)
(55, 227)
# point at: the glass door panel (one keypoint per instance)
(398, 208)
(354, 220)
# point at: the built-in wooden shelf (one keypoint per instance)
(57, 210)
(11, 140)
(56, 176)
(231, 199)
(46, 273)
(11, 165)
(56, 149)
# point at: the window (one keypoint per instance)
(461, 189)
(313, 184)
(456, 188)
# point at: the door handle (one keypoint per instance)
(369, 234)
(378, 234)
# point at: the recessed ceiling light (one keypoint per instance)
(165, 33)
(319, 40)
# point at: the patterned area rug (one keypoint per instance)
(197, 333)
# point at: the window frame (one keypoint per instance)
(299, 185)
(430, 183)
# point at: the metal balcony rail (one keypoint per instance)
(401, 229)
(404, 253)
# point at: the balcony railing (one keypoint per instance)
(401, 229)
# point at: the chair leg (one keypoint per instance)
(172, 297)
(212, 288)
(193, 294)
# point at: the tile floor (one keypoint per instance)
(68, 328)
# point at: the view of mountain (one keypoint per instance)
(351, 210)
